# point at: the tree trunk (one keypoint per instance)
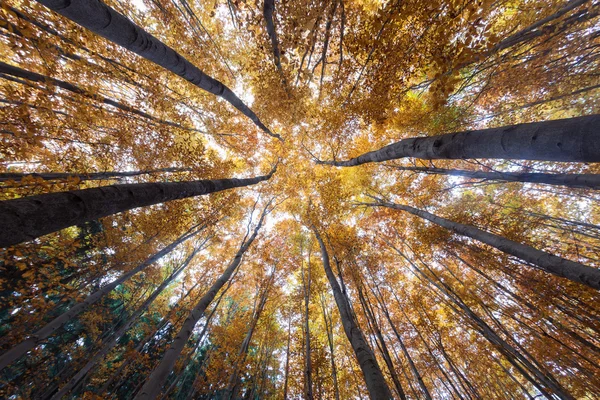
(50, 176)
(376, 384)
(268, 9)
(157, 378)
(106, 22)
(371, 319)
(411, 363)
(233, 387)
(572, 139)
(35, 77)
(35, 339)
(30, 217)
(113, 339)
(552, 264)
(287, 359)
(308, 384)
(544, 383)
(329, 329)
(587, 181)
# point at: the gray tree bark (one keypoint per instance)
(49, 176)
(30, 217)
(36, 338)
(587, 181)
(376, 385)
(106, 22)
(552, 264)
(268, 9)
(572, 139)
(158, 377)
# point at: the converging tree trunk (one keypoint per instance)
(40, 335)
(268, 9)
(588, 181)
(158, 377)
(306, 281)
(547, 262)
(572, 139)
(106, 22)
(376, 384)
(112, 340)
(233, 386)
(50, 176)
(28, 218)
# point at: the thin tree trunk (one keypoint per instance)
(376, 384)
(329, 329)
(35, 77)
(233, 386)
(552, 264)
(268, 9)
(588, 181)
(49, 176)
(28, 218)
(113, 339)
(40, 335)
(106, 22)
(308, 383)
(572, 139)
(544, 383)
(157, 378)
(411, 363)
(372, 321)
(287, 359)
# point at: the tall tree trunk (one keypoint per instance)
(329, 331)
(30, 217)
(411, 363)
(572, 139)
(552, 264)
(113, 339)
(157, 378)
(376, 384)
(49, 176)
(35, 77)
(546, 384)
(308, 383)
(233, 386)
(106, 22)
(588, 181)
(40, 335)
(371, 319)
(268, 9)
(287, 359)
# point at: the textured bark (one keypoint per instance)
(106, 22)
(28, 218)
(376, 385)
(572, 139)
(49, 176)
(158, 377)
(588, 181)
(112, 340)
(555, 265)
(268, 9)
(36, 338)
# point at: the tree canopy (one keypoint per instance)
(340, 199)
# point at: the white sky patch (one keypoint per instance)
(139, 4)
